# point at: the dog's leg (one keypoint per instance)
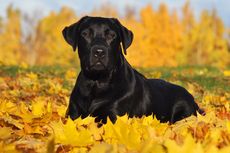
(181, 109)
(113, 118)
(78, 106)
(72, 111)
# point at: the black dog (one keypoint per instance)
(108, 86)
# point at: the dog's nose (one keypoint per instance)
(99, 52)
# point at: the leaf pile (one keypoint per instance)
(33, 104)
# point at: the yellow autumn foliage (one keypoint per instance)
(161, 38)
(52, 46)
(32, 118)
(10, 38)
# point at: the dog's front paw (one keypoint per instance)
(100, 120)
(103, 119)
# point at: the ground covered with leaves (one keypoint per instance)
(33, 101)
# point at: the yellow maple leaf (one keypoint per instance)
(7, 148)
(8, 119)
(126, 134)
(86, 121)
(61, 110)
(7, 106)
(55, 87)
(209, 116)
(69, 135)
(189, 146)
(5, 132)
(38, 108)
(24, 113)
(151, 146)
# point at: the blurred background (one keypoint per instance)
(166, 32)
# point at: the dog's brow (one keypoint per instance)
(99, 28)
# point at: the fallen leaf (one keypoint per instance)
(5, 132)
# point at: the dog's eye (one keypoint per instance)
(85, 33)
(110, 35)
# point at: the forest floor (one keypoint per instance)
(33, 101)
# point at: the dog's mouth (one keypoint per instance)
(96, 70)
(98, 65)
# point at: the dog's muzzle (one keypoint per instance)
(99, 57)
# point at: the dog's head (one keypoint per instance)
(98, 41)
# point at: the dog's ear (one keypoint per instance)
(126, 36)
(71, 33)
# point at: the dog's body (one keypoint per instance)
(108, 86)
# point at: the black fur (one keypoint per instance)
(108, 86)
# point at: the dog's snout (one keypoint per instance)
(99, 51)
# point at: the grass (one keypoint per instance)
(210, 78)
